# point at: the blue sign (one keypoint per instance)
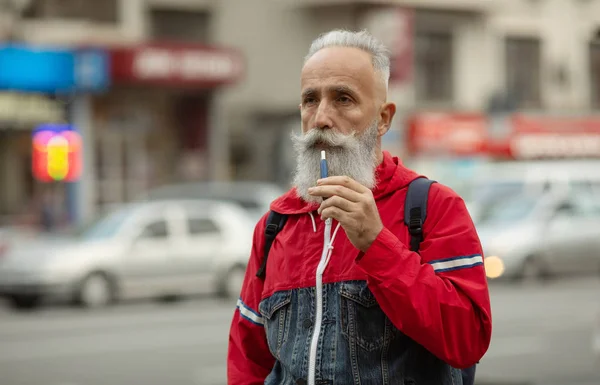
(51, 70)
(91, 70)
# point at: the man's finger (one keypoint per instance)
(337, 201)
(345, 181)
(327, 191)
(335, 213)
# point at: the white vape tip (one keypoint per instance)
(323, 155)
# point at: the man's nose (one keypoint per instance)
(323, 116)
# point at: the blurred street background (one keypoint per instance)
(141, 140)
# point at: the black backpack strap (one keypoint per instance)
(275, 222)
(415, 210)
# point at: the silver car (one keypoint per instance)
(536, 236)
(140, 250)
(596, 339)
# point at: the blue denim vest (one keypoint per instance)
(357, 344)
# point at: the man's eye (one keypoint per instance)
(344, 99)
(309, 101)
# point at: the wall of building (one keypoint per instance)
(275, 35)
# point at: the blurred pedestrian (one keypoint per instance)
(357, 306)
(47, 213)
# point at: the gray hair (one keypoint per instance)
(361, 40)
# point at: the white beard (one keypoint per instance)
(347, 155)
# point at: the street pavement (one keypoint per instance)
(542, 335)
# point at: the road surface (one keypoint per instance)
(541, 336)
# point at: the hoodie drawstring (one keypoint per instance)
(312, 217)
(330, 247)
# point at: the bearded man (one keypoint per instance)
(358, 307)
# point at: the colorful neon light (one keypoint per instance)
(56, 154)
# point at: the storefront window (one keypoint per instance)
(104, 11)
(523, 67)
(434, 69)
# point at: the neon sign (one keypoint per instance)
(56, 154)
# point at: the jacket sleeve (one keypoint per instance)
(249, 360)
(439, 297)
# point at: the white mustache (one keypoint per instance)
(328, 137)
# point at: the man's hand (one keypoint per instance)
(351, 204)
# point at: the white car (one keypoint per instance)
(140, 250)
(596, 339)
(534, 236)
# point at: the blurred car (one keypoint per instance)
(255, 197)
(141, 250)
(13, 235)
(498, 180)
(596, 339)
(531, 236)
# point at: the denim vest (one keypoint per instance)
(357, 345)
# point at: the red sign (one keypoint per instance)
(543, 137)
(524, 137)
(443, 134)
(56, 154)
(176, 65)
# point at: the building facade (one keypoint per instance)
(154, 125)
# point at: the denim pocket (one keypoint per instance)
(276, 312)
(362, 319)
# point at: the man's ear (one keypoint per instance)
(386, 115)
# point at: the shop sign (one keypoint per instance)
(56, 153)
(526, 137)
(555, 137)
(446, 134)
(176, 65)
(532, 146)
(32, 68)
(27, 109)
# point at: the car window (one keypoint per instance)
(581, 201)
(106, 226)
(155, 230)
(199, 226)
(508, 210)
(581, 187)
(489, 192)
(585, 205)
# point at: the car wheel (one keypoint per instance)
(25, 301)
(95, 291)
(231, 285)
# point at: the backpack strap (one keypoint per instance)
(415, 210)
(275, 222)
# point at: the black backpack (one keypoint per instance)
(415, 212)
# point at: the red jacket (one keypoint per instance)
(439, 297)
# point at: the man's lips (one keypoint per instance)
(321, 145)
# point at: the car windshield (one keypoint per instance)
(507, 210)
(106, 226)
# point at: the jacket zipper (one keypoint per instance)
(312, 358)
